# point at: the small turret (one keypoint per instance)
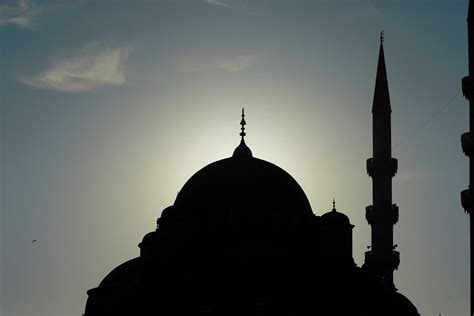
(336, 237)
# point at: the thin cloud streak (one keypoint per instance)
(84, 72)
(19, 13)
(216, 2)
(232, 64)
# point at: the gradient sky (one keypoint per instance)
(108, 107)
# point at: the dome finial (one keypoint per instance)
(333, 204)
(381, 36)
(242, 151)
(242, 124)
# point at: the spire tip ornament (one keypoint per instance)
(242, 124)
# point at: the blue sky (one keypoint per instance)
(107, 108)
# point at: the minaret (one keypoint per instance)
(467, 142)
(382, 215)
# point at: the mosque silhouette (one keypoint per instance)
(241, 239)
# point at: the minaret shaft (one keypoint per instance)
(382, 136)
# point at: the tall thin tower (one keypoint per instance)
(467, 142)
(382, 214)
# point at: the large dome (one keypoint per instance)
(246, 191)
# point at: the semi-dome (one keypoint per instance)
(126, 273)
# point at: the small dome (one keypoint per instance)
(335, 218)
(148, 239)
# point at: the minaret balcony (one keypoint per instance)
(466, 200)
(375, 216)
(468, 87)
(467, 143)
(382, 263)
(382, 167)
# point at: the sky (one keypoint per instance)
(108, 107)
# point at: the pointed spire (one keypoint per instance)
(333, 204)
(242, 151)
(381, 101)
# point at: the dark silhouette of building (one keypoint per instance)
(241, 239)
(382, 259)
(467, 142)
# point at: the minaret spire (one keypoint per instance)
(382, 260)
(381, 95)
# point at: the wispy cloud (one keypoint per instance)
(19, 13)
(233, 64)
(92, 67)
(373, 11)
(216, 2)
